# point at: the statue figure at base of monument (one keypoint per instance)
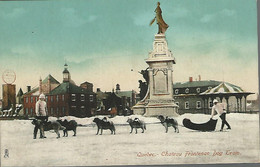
(162, 26)
(145, 75)
(143, 89)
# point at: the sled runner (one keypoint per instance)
(208, 126)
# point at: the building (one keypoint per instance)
(116, 102)
(101, 98)
(197, 96)
(62, 99)
(88, 86)
(19, 97)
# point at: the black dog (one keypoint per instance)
(56, 126)
(167, 122)
(101, 124)
(69, 125)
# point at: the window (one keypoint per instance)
(36, 98)
(73, 97)
(210, 104)
(26, 99)
(62, 97)
(31, 113)
(26, 111)
(187, 90)
(198, 90)
(51, 98)
(91, 98)
(176, 91)
(177, 103)
(46, 97)
(198, 105)
(51, 111)
(31, 99)
(82, 107)
(57, 98)
(82, 97)
(187, 105)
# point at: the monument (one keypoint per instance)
(158, 99)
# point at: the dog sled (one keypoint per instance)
(208, 126)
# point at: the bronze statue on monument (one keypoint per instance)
(162, 26)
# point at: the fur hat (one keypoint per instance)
(215, 101)
(42, 96)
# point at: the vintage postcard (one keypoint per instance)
(128, 82)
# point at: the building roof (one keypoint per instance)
(124, 93)
(67, 87)
(196, 84)
(34, 92)
(224, 88)
(101, 95)
(20, 93)
(52, 80)
(65, 71)
(86, 83)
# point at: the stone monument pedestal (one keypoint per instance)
(159, 99)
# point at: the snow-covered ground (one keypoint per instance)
(239, 145)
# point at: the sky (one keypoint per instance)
(106, 42)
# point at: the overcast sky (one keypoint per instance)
(103, 40)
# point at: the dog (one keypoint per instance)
(167, 122)
(50, 125)
(102, 124)
(136, 123)
(69, 125)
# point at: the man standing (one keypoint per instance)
(41, 116)
(219, 108)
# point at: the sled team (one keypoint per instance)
(41, 121)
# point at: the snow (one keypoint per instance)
(152, 147)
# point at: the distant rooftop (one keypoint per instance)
(52, 80)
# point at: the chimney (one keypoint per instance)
(28, 88)
(190, 79)
(199, 78)
(98, 89)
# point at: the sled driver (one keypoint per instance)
(41, 116)
(219, 108)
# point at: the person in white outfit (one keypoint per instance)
(220, 109)
(41, 116)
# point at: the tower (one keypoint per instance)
(66, 73)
